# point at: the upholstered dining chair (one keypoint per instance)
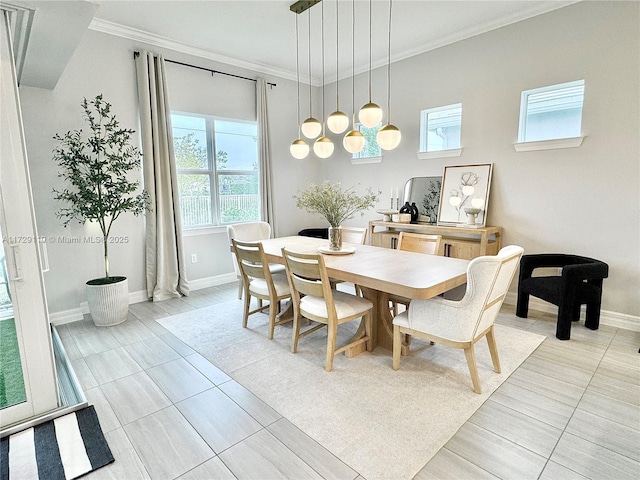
(419, 243)
(249, 232)
(259, 282)
(314, 299)
(460, 324)
(580, 283)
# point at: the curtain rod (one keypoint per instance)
(136, 54)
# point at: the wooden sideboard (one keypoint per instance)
(458, 242)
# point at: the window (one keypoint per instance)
(440, 128)
(371, 147)
(217, 164)
(550, 113)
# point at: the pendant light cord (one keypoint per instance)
(353, 61)
(322, 46)
(309, 80)
(389, 69)
(337, 51)
(298, 74)
(369, 51)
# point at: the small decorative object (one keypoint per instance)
(465, 194)
(386, 214)
(335, 205)
(406, 208)
(414, 212)
(97, 169)
(401, 218)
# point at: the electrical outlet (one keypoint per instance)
(194, 258)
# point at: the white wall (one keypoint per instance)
(583, 200)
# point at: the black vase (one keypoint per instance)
(406, 208)
(414, 212)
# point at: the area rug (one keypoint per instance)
(61, 449)
(384, 424)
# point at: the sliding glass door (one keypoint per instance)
(28, 386)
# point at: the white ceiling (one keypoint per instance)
(260, 35)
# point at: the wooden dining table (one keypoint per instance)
(379, 272)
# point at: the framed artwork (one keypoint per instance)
(464, 198)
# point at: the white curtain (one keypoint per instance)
(264, 152)
(165, 266)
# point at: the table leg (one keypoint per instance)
(381, 325)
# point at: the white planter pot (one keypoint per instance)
(108, 303)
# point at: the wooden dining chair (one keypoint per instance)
(258, 281)
(460, 324)
(354, 235)
(419, 243)
(314, 299)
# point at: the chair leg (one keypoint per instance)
(522, 304)
(473, 368)
(273, 310)
(493, 349)
(296, 332)
(247, 303)
(565, 316)
(397, 346)
(592, 320)
(368, 331)
(332, 333)
(240, 289)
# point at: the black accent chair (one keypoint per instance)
(315, 233)
(579, 284)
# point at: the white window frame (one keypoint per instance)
(357, 158)
(553, 143)
(212, 172)
(425, 153)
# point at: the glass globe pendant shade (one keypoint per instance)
(338, 122)
(311, 127)
(370, 115)
(299, 149)
(323, 147)
(353, 141)
(388, 137)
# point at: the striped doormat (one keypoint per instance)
(61, 449)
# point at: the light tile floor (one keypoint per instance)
(570, 411)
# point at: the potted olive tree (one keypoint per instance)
(96, 167)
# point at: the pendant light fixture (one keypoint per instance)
(370, 114)
(338, 121)
(299, 148)
(323, 146)
(389, 136)
(311, 127)
(353, 141)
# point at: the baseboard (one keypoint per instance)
(607, 317)
(75, 314)
(207, 282)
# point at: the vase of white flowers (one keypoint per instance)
(335, 205)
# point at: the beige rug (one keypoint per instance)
(384, 424)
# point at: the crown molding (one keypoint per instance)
(148, 38)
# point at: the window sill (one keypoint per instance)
(452, 152)
(208, 230)
(365, 160)
(548, 144)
